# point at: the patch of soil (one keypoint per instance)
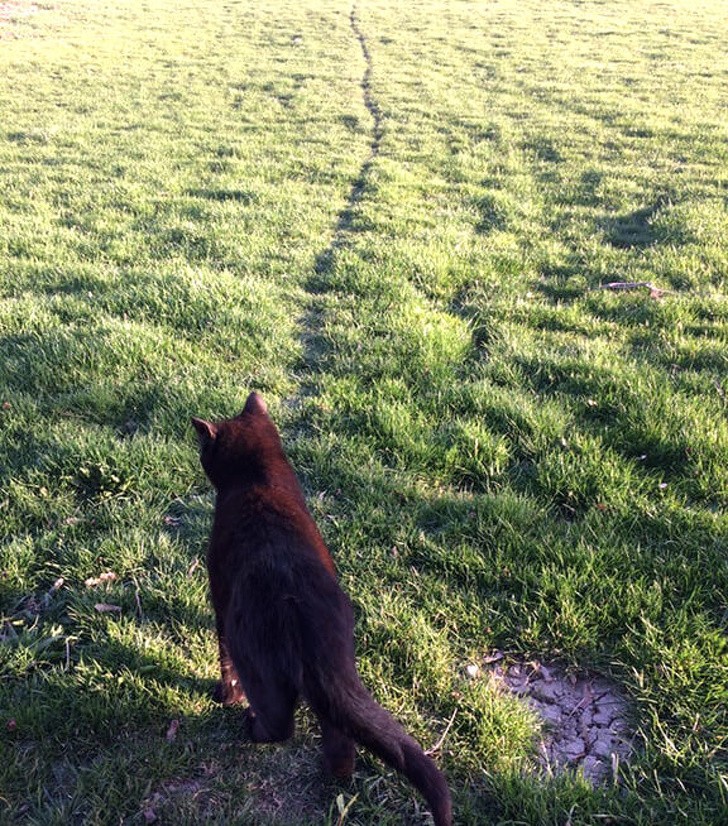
(192, 794)
(587, 718)
(289, 784)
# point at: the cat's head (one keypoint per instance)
(241, 450)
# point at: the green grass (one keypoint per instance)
(201, 199)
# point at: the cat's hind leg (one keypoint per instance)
(339, 750)
(271, 710)
(228, 689)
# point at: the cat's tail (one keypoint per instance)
(353, 710)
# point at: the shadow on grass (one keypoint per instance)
(492, 216)
(635, 230)
(239, 196)
(347, 219)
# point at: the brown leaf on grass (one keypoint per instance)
(93, 581)
(105, 608)
(655, 292)
(172, 731)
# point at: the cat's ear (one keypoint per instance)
(255, 404)
(206, 431)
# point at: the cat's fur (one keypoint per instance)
(285, 627)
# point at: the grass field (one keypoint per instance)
(394, 220)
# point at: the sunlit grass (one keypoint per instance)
(502, 454)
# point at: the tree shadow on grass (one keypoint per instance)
(635, 230)
(219, 195)
(493, 218)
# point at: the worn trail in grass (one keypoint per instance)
(397, 218)
(311, 323)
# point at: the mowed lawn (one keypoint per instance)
(396, 221)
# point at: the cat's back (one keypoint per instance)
(269, 526)
(283, 583)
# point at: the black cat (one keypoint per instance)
(285, 627)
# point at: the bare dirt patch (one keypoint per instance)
(289, 783)
(174, 790)
(588, 719)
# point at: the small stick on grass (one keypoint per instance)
(429, 752)
(655, 292)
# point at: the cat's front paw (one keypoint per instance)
(228, 693)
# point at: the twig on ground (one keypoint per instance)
(655, 292)
(434, 749)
